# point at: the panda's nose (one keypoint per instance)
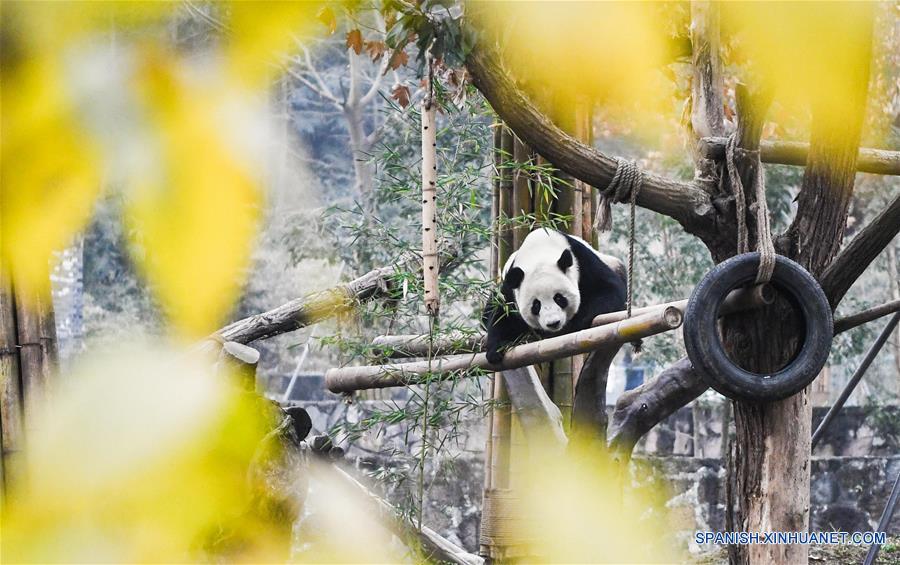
(553, 325)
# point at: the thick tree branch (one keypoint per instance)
(860, 252)
(684, 202)
(640, 409)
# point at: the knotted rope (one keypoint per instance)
(764, 243)
(625, 185)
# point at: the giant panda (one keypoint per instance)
(554, 284)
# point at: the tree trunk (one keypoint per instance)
(769, 463)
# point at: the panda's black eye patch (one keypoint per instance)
(536, 307)
(560, 300)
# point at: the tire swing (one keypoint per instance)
(701, 332)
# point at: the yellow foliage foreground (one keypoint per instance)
(97, 97)
(141, 456)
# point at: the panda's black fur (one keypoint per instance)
(601, 287)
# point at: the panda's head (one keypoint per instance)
(546, 292)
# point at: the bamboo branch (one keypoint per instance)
(684, 202)
(875, 161)
(860, 252)
(381, 376)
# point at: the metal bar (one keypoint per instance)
(857, 376)
(886, 516)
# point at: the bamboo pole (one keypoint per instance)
(522, 201)
(429, 207)
(401, 374)
(11, 418)
(738, 300)
(875, 161)
(31, 358)
(497, 454)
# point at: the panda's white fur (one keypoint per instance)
(545, 282)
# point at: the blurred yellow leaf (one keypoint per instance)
(142, 457)
(812, 54)
(262, 31)
(195, 217)
(612, 52)
(580, 508)
(48, 170)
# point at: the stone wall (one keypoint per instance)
(848, 491)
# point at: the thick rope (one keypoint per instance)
(764, 243)
(626, 182)
(625, 185)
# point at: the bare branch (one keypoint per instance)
(376, 82)
(337, 103)
(860, 252)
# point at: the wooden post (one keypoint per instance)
(31, 358)
(11, 423)
(497, 452)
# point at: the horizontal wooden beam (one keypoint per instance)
(876, 161)
(350, 379)
(394, 346)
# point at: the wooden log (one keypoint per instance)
(240, 361)
(540, 419)
(429, 207)
(414, 345)
(31, 358)
(639, 410)
(438, 547)
(380, 376)
(737, 300)
(876, 161)
(11, 422)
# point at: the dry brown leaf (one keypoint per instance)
(398, 59)
(401, 94)
(375, 49)
(355, 41)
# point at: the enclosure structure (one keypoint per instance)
(768, 464)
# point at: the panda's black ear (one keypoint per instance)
(565, 260)
(514, 277)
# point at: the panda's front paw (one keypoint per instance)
(494, 357)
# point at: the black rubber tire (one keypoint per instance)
(705, 349)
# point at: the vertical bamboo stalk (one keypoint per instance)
(497, 452)
(429, 208)
(505, 234)
(584, 131)
(31, 359)
(11, 424)
(522, 201)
